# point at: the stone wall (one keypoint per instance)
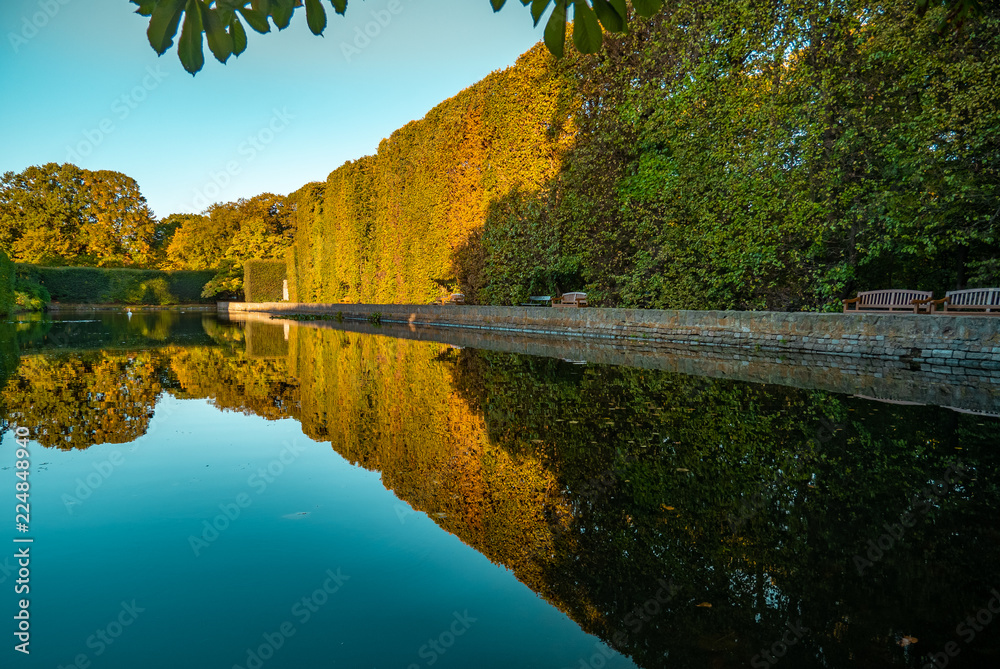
(945, 345)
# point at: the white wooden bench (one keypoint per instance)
(454, 298)
(571, 300)
(972, 300)
(881, 301)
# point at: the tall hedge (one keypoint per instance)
(97, 285)
(263, 280)
(385, 227)
(728, 154)
(6, 285)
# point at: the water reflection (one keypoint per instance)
(685, 521)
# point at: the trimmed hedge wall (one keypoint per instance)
(6, 285)
(263, 280)
(100, 285)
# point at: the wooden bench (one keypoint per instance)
(538, 301)
(454, 298)
(880, 301)
(973, 300)
(571, 300)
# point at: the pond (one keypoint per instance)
(239, 495)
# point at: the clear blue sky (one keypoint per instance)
(84, 83)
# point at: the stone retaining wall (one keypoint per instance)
(941, 344)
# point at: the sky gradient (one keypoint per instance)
(86, 88)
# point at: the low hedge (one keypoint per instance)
(6, 285)
(102, 285)
(263, 280)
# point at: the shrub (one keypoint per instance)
(29, 295)
(6, 285)
(263, 280)
(101, 285)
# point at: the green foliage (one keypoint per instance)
(29, 295)
(264, 280)
(229, 234)
(92, 285)
(751, 156)
(386, 228)
(6, 285)
(64, 215)
(734, 155)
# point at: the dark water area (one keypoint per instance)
(216, 495)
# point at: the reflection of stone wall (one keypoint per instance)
(880, 378)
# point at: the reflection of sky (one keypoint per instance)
(63, 82)
(129, 539)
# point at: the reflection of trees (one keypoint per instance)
(86, 399)
(656, 467)
(234, 381)
(389, 405)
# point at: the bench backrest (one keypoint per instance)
(892, 298)
(573, 298)
(978, 297)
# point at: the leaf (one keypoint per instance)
(219, 41)
(339, 6)
(146, 7)
(646, 8)
(498, 4)
(587, 34)
(163, 25)
(281, 12)
(239, 36)
(189, 47)
(538, 8)
(609, 15)
(262, 6)
(555, 30)
(257, 20)
(315, 16)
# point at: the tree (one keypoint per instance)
(219, 21)
(64, 215)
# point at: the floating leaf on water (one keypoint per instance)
(705, 605)
(681, 469)
(907, 640)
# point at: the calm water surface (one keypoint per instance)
(215, 495)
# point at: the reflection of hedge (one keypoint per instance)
(6, 285)
(90, 285)
(263, 280)
(266, 340)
